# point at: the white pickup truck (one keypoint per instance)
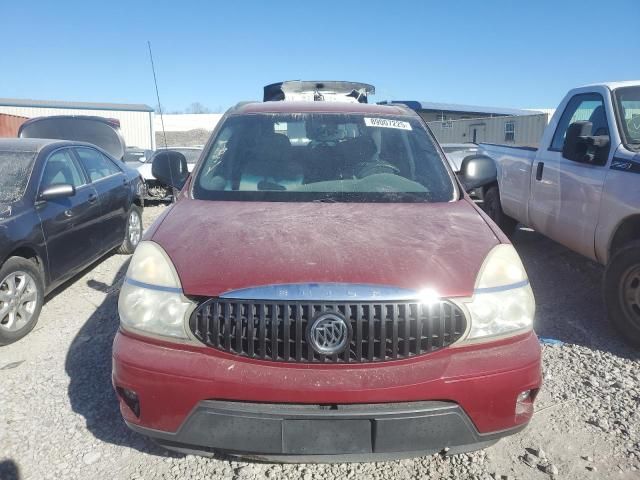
(581, 188)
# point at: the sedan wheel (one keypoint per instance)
(133, 234)
(135, 227)
(21, 297)
(18, 301)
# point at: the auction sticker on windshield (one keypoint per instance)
(386, 123)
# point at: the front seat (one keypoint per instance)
(269, 165)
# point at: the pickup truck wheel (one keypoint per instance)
(21, 298)
(622, 292)
(134, 231)
(493, 208)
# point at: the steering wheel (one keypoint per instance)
(633, 126)
(377, 167)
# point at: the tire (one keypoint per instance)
(493, 208)
(133, 232)
(622, 292)
(20, 280)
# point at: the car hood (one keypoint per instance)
(145, 171)
(217, 247)
(82, 128)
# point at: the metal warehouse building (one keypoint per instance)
(136, 121)
(432, 111)
(455, 123)
(519, 130)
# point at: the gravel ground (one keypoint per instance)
(59, 417)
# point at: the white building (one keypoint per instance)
(183, 122)
(136, 121)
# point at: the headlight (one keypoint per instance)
(502, 302)
(151, 299)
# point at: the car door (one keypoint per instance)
(69, 224)
(111, 184)
(565, 195)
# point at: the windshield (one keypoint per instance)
(628, 105)
(15, 168)
(323, 157)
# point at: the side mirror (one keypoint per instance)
(581, 146)
(170, 168)
(477, 171)
(61, 190)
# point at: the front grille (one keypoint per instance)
(277, 330)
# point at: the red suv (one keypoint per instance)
(323, 289)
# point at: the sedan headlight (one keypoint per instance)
(502, 302)
(151, 299)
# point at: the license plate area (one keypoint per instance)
(327, 437)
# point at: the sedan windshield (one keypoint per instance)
(323, 157)
(628, 104)
(15, 169)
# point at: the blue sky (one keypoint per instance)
(497, 53)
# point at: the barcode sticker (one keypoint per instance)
(387, 123)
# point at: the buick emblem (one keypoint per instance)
(329, 334)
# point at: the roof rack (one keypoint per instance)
(318, 91)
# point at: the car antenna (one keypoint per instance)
(164, 133)
(155, 81)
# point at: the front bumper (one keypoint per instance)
(200, 399)
(307, 433)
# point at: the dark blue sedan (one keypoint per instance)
(63, 205)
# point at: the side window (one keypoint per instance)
(587, 107)
(96, 164)
(510, 132)
(61, 169)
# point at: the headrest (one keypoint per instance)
(270, 154)
(358, 149)
(599, 121)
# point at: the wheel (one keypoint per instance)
(493, 208)
(622, 292)
(134, 231)
(21, 298)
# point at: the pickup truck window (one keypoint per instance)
(324, 157)
(628, 106)
(584, 107)
(15, 169)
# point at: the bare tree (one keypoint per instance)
(197, 107)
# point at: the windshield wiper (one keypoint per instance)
(404, 196)
(325, 200)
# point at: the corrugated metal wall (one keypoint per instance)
(527, 130)
(9, 125)
(136, 127)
